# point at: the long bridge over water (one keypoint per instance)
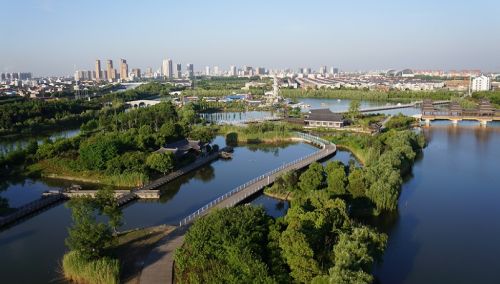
(159, 265)
(484, 113)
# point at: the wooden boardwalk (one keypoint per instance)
(123, 197)
(29, 209)
(159, 265)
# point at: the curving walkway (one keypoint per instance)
(158, 267)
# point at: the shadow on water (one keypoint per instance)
(402, 236)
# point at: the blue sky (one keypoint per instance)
(55, 37)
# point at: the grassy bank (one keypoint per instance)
(103, 271)
(58, 168)
(123, 260)
(267, 132)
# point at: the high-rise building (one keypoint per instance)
(190, 70)
(207, 71)
(3, 77)
(109, 70)
(123, 69)
(481, 83)
(233, 71)
(167, 68)
(261, 71)
(149, 72)
(178, 71)
(98, 73)
(136, 72)
(216, 71)
(322, 70)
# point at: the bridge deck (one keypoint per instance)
(159, 265)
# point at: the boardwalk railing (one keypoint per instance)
(262, 178)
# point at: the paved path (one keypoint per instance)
(159, 265)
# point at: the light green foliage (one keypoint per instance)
(87, 236)
(81, 270)
(336, 177)
(312, 178)
(205, 134)
(354, 255)
(400, 122)
(161, 162)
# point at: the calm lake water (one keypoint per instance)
(13, 142)
(447, 230)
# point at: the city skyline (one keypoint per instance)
(353, 36)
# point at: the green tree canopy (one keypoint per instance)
(161, 162)
(336, 177)
(312, 178)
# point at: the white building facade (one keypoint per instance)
(481, 83)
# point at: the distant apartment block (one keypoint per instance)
(123, 69)
(481, 83)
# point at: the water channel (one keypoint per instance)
(446, 229)
(37, 244)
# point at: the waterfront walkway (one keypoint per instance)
(149, 191)
(159, 265)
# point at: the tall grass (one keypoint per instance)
(103, 271)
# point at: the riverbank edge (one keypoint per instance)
(131, 248)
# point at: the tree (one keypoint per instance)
(312, 178)
(355, 254)
(161, 162)
(226, 246)
(95, 153)
(205, 134)
(357, 186)
(353, 111)
(87, 236)
(336, 177)
(108, 205)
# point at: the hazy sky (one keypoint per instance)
(55, 37)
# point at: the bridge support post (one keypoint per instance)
(483, 122)
(455, 122)
(427, 122)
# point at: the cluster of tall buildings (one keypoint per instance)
(13, 76)
(108, 72)
(168, 72)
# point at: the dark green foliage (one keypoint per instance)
(95, 153)
(314, 223)
(357, 184)
(226, 246)
(87, 236)
(38, 115)
(312, 178)
(336, 177)
(232, 139)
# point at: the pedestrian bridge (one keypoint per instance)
(159, 265)
(142, 103)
